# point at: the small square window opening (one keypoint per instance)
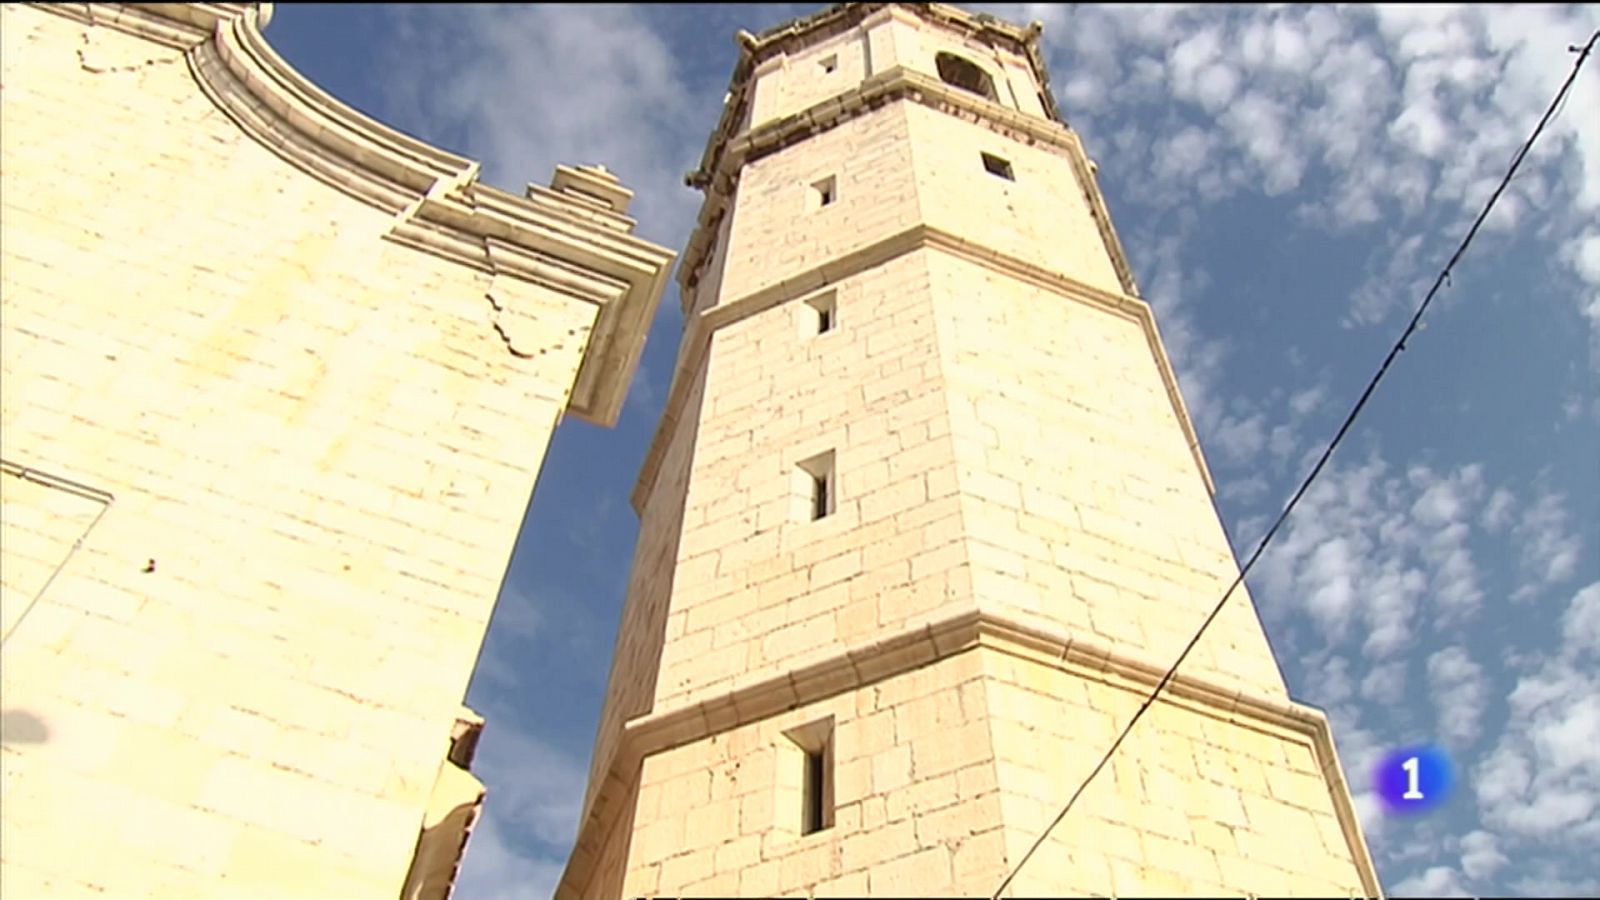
(994, 165)
(824, 192)
(823, 313)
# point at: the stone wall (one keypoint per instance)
(266, 461)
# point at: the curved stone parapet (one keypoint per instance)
(573, 237)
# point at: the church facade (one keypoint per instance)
(275, 385)
(925, 520)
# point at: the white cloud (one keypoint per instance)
(1585, 250)
(1384, 682)
(1366, 546)
(1216, 85)
(530, 817)
(1243, 491)
(1582, 254)
(1460, 694)
(1542, 779)
(1240, 439)
(1497, 512)
(1282, 442)
(1191, 55)
(1480, 855)
(1436, 881)
(1580, 625)
(1424, 130)
(1413, 113)
(494, 871)
(537, 85)
(536, 790)
(1184, 155)
(1260, 124)
(1549, 551)
(1304, 403)
(1398, 283)
(1370, 810)
(1548, 878)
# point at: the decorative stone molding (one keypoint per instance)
(700, 327)
(859, 667)
(97, 499)
(572, 237)
(177, 25)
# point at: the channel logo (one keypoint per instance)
(1414, 780)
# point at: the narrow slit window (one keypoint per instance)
(995, 165)
(819, 496)
(824, 192)
(823, 313)
(816, 487)
(814, 814)
(828, 63)
(807, 802)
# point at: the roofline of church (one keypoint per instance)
(573, 237)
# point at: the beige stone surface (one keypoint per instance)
(272, 410)
(1020, 535)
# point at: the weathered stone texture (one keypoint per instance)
(315, 450)
(1079, 495)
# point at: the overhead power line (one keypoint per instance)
(1399, 345)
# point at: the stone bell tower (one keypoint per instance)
(925, 520)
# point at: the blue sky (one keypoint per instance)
(1287, 182)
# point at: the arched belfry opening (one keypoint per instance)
(965, 74)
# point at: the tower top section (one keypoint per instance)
(786, 70)
(811, 76)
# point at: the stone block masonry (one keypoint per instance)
(276, 383)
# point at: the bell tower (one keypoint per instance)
(925, 520)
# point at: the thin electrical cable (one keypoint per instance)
(1399, 345)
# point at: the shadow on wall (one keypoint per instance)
(19, 726)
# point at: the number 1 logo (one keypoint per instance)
(1413, 779)
(1412, 766)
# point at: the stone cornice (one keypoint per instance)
(700, 327)
(572, 237)
(918, 646)
(177, 25)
